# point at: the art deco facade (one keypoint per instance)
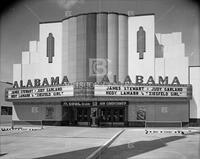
(88, 47)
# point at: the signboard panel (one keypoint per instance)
(140, 90)
(41, 92)
(95, 103)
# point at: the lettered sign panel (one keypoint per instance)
(41, 92)
(140, 91)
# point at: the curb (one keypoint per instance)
(182, 132)
(19, 129)
(101, 149)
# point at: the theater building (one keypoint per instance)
(103, 69)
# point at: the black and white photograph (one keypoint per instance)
(99, 79)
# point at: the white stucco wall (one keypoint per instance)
(17, 68)
(174, 62)
(35, 61)
(33, 49)
(195, 102)
(177, 67)
(159, 68)
(136, 66)
(25, 57)
(39, 71)
(33, 46)
(56, 30)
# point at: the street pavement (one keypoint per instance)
(80, 142)
(159, 144)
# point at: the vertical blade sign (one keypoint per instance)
(141, 42)
(50, 47)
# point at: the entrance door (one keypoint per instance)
(83, 116)
(112, 116)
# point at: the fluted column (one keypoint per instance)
(81, 60)
(102, 44)
(123, 47)
(72, 39)
(113, 35)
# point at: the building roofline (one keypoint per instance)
(195, 66)
(59, 21)
(55, 21)
(77, 15)
(137, 15)
(94, 13)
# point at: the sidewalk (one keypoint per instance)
(81, 142)
(54, 142)
(136, 144)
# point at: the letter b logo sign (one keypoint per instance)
(97, 67)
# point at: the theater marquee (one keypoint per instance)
(141, 90)
(41, 92)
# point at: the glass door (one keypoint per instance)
(112, 116)
(83, 116)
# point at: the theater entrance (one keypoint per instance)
(94, 113)
(76, 116)
(83, 116)
(114, 116)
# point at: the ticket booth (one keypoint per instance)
(94, 117)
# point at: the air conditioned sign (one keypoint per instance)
(140, 90)
(94, 103)
(41, 92)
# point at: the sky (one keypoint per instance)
(19, 23)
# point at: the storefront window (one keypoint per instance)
(6, 110)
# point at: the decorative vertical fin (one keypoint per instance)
(50, 47)
(141, 42)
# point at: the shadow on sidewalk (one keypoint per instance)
(136, 148)
(79, 154)
(118, 152)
